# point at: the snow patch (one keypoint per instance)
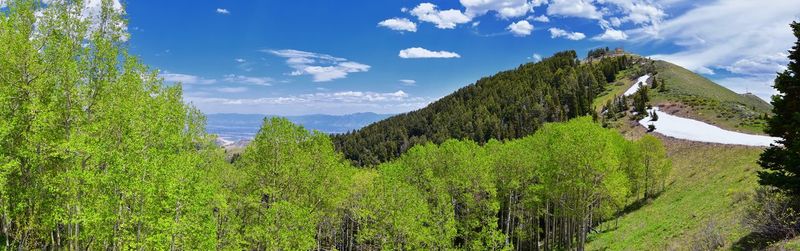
(642, 80)
(689, 129)
(224, 142)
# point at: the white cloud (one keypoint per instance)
(185, 79)
(762, 64)
(408, 82)
(760, 86)
(233, 78)
(542, 19)
(444, 19)
(321, 67)
(610, 34)
(573, 8)
(319, 102)
(743, 37)
(232, 89)
(417, 52)
(399, 24)
(536, 57)
(240, 60)
(709, 38)
(223, 11)
(615, 21)
(521, 28)
(638, 12)
(556, 33)
(504, 8)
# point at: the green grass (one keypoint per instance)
(709, 101)
(793, 244)
(616, 89)
(709, 183)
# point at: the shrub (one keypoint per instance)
(709, 238)
(773, 215)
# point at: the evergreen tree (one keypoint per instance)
(640, 99)
(782, 161)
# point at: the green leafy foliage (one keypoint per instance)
(97, 153)
(508, 105)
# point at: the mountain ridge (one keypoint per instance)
(509, 104)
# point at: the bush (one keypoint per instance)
(773, 215)
(709, 238)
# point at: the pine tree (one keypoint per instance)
(782, 161)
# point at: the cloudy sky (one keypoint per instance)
(338, 57)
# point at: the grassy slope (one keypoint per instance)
(709, 183)
(623, 83)
(709, 101)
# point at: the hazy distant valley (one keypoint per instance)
(232, 127)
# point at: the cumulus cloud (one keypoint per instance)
(444, 19)
(615, 21)
(505, 9)
(233, 78)
(542, 18)
(186, 79)
(399, 24)
(321, 67)
(638, 12)
(418, 52)
(610, 34)
(573, 8)
(521, 28)
(223, 11)
(556, 33)
(240, 60)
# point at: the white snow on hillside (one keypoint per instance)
(642, 80)
(689, 129)
(224, 142)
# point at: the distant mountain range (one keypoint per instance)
(234, 127)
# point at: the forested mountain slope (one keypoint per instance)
(508, 105)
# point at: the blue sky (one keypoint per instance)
(338, 57)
